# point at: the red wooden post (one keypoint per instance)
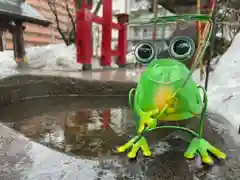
(122, 39)
(79, 19)
(83, 34)
(106, 33)
(84, 29)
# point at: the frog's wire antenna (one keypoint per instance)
(213, 11)
(154, 27)
(200, 37)
(213, 36)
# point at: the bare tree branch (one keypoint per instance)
(73, 29)
(70, 35)
(96, 10)
(52, 6)
(99, 4)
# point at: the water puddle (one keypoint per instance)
(81, 127)
(91, 128)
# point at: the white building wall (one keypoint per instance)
(139, 32)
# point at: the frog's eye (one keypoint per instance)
(144, 52)
(181, 48)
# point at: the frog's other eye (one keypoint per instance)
(182, 48)
(144, 53)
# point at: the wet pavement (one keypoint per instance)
(66, 126)
(75, 138)
(119, 75)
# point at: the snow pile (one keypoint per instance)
(61, 57)
(54, 56)
(7, 64)
(224, 85)
(51, 57)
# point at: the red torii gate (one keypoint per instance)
(84, 35)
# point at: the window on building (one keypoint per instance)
(137, 32)
(160, 30)
(147, 32)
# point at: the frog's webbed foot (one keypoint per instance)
(202, 147)
(140, 144)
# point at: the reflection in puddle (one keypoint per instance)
(74, 126)
(85, 132)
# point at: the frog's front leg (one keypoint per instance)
(139, 141)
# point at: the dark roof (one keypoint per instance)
(22, 11)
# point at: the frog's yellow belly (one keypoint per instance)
(165, 95)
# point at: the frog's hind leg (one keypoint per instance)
(201, 146)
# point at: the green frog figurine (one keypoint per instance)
(167, 92)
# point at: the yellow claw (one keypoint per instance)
(219, 154)
(189, 155)
(127, 145)
(145, 147)
(133, 153)
(147, 153)
(122, 148)
(205, 156)
(207, 160)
